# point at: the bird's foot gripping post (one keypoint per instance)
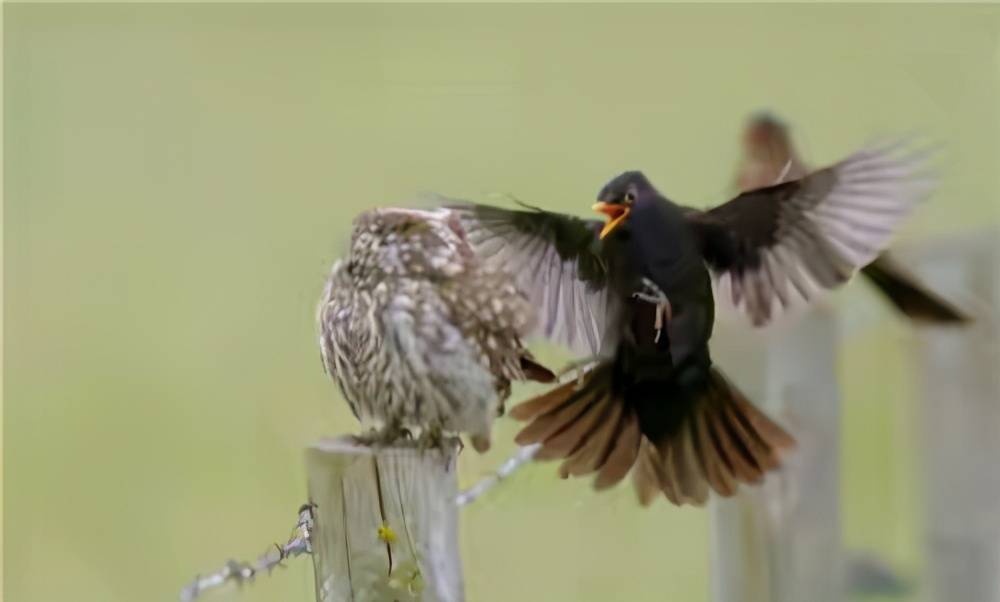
(423, 564)
(384, 436)
(386, 522)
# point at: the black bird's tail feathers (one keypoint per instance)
(716, 440)
(909, 296)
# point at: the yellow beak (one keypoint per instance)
(616, 213)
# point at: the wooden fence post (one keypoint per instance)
(386, 523)
(959, 371)
(781, 541)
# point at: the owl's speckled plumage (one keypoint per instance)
(417, 333)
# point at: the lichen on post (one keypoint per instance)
(386, 522)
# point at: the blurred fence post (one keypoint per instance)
(386, 523)
(960, 388)
(781, 541)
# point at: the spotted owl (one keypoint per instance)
(419, 335)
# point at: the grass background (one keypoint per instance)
(179, 179)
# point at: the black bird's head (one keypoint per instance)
(620, 195)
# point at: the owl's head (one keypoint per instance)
(408, 242)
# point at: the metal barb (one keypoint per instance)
(242, 572)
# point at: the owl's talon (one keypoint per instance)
(386, 436)
(430, 438)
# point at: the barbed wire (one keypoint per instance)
(300, 543)
(244, 572)
(520, 457)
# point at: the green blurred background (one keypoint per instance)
(179, 179)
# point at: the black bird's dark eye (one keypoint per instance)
(630, 197)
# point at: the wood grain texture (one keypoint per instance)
(357, 492)
(960, 402)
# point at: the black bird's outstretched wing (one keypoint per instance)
(557, 263)
(782, 244)
(771, 158)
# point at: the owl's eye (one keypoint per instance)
(629, 197)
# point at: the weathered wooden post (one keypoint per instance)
(386, 523)
(960, 384)
(781, 541)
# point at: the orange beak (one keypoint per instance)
(616, 213)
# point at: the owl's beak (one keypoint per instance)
(616, 212)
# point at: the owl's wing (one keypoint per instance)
(555, 261)
(430, 354)
(779, 245)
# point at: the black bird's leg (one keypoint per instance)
(653, 294)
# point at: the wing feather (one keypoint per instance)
(557, 263)
(813, 233)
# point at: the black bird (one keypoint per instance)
(769, 157)
(636, 292)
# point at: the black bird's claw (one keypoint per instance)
(651, 293)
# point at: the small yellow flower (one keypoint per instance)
(386, 534)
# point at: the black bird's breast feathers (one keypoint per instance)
(659, 244)
(582, 285)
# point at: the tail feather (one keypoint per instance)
(909, 296)
(480, 443)
(724, 441)
(646, 476)
(768, 431)
(544, 427)
(668, 478)
(720, 442)
(755, 450)
(541, 404)
(586, 426)
(712, 464)
(733, 453)
(624, 454)
(573, 436)
(592, 455)
(689, 481)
